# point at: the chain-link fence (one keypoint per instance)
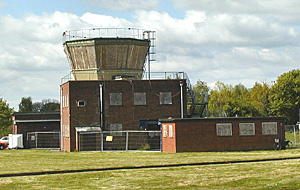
(42, 140)
(292, 134)
(120, 140)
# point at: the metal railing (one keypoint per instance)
(43, 140)
(153, 75)
(120, 141)
(292, 134)
(80, 34)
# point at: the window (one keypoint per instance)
(269, 128)
(165, 98)
(115, 99)
(115, 127)
(224, 129)
(67, 101)
(56, 134)
(80, 103)
(165, 130)
(171, 131)
(247, 129)
(139, 98)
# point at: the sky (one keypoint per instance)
(231, 41)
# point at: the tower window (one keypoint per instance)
(165, 98)
(80, 103)
(115, 99)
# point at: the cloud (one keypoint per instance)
(105, 21)
(124, 5)
(32, 60)
(283, 11)
(2, 4)
(220, 45)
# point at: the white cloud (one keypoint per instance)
(32, 60)
(224, 46)
(124, 5)
(2, 4)
(285, 11)
(105, 21)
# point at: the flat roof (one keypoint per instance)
(36, 120)
(37, 113)
(220, 119)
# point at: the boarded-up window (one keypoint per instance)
(139, 98)
(224, 129)
(247, 129)
(115, 127)
(165, 98)
(171, 131)
(165, 130)
(269, 128)
(115, 99)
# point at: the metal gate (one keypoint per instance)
(43, 140)
(120, 141)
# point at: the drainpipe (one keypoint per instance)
(101, 105)
(181, 99)
(61, 119)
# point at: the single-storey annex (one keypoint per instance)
(221, 134)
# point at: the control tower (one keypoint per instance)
(108, 53)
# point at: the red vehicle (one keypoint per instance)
(3, 146)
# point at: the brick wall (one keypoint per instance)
(193, 135)
(24, 123)
(168, 143)
(127, 114)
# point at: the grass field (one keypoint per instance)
(260, 175)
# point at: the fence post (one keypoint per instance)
(126, 140)
(36, 139)
(295, 136)
(102, 140)
(79, 142)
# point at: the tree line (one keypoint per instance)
(46, 105)
(282, 98)
(26, 105)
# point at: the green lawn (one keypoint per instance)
(264, 175)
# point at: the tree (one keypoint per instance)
(219, 97)
(5, 118)
(260, 99)
(234, 101)
(50, 105)
(37, 106)
(200, 89)
(26, 105)
(285, 96)
(46, 105)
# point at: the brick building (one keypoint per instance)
(118, 105)
(24, 123)
(221, 134)
(105, 91)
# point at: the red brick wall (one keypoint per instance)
(169, 143)
(193, 135)
(127, 114)
(65, 101)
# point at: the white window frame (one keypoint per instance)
(171, 131)
(79, 103)
(165, 132)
